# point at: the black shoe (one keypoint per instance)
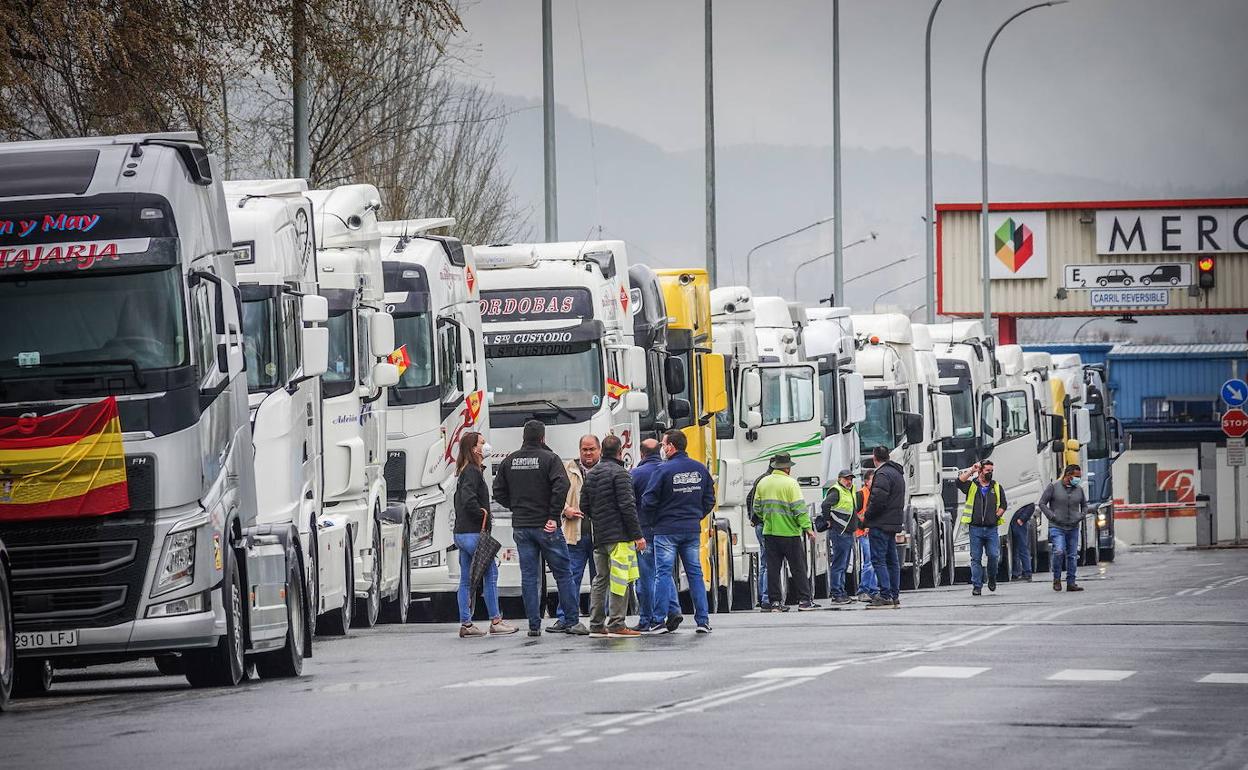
(703, 629)
(976, 591)
(880, 604)
(808, 607)
(558, 627)
(778, 607)
(1026, 578)
(535, 632)
(992, 583)
(578, 630)
(1074, 587)
(674, 622)
(896, 603)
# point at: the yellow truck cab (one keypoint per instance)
(687, 294)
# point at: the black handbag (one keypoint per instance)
(487, 548)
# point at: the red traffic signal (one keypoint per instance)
(1205, 267)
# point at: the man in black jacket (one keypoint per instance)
(884, 518)
(607, 500)
(532, 483)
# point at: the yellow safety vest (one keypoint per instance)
(624, 568)
(968, 507)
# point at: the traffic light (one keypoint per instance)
(1205, 268)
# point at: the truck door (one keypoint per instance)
(785, 416)
(1008, 439)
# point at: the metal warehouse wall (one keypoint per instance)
(1136, 376)
(1070, 242)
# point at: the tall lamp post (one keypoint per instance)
(750, 253)
(929, 218)
(882, 295)
(815, 259)
(983, 160)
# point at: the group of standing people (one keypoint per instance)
(626, 528)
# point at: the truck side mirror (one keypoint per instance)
(635, 360)
(1057, 426)
(314, 350)
(674, 374)
(1082, 426)
(381, 334)
(679, 409)
(855, 398)
(943, 408)
(315, 308)
(912, 426)
(714, 387)
(636, 401)
(751, 389)
(992, 423)
(385, 374)
(753, 419)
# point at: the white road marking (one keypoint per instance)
(494, 767)
(525, 758)
(1224, 679)
(573, 733)
(558, 749)
(646, 676)
(1090, 675)
(498, 681)
(608, 721)
(614, 730)
(772, 686)
(589, 739)
(941, 672)
(791, 673)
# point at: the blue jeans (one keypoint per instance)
(467, 545)
(580, 556)
(842, 548)
(867, 581)
(647, 566)
(1020, 549)
(1064, 545)
(984, 538)
(886, 563)
(688, 547)
(532, 544)
(762, 566)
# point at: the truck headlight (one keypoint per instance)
(177, 561)
(422, 527)
(1101, 519)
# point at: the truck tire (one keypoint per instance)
(930, 572)
(288, 661)
(368, 608)
(745, 595)
(32, 677)
(314, 581)
(396, 609)
(336, 622)
(225, 664)
(8, 641)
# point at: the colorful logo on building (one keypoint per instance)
(1014, 244)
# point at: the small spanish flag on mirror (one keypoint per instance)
(66, 464)
(616, 389)
(400, 359)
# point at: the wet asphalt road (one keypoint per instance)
(1146, 668)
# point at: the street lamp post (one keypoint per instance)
(983, 159)
(882, 295)
(814, 259)
(929, 218)
(750, 253)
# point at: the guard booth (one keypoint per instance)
(1092, 258)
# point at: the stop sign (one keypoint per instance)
(1234, 423)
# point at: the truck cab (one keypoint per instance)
(287, 348)
(665, 372)
(431, 291)
(116, 253)
(354, 400)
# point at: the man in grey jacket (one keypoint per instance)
(1065, 504)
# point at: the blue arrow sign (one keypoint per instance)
(1235, 392)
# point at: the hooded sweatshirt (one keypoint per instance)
(680, 495)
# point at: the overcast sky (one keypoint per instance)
(1144, 92)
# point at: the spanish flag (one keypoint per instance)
(616, 389)
(400, 359)
(67, 464)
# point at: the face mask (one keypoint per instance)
(666, 452)
(988, 476)
(1076, 481)
(486, 449)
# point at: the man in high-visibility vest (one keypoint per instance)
(778, 502)
(838, 511)
(982, 512)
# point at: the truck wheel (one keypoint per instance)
(223, 665)
(368, 608)
(32, 677)
(396, 609)
(288, 661)
(170, 665)
(336, 622)
(314, 582)
(930, 571)
(8, 642)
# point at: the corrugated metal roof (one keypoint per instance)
(1219, 350)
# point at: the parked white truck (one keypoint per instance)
(286, 347)
(116, 254)
(354, 403)
(558, 348)
(431, 291)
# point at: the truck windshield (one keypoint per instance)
(92, 321)
(877, 428)
(260, 344)
(568, 375)
(339, 379)
(963, 403)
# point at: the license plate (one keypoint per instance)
(36, 640)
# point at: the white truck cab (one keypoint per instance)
(287, 348)
(354, 388)
(431, 291)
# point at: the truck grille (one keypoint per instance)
(67, 603)
(395, 474)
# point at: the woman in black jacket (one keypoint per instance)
(472, 511)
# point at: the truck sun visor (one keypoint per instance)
(47, 172)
